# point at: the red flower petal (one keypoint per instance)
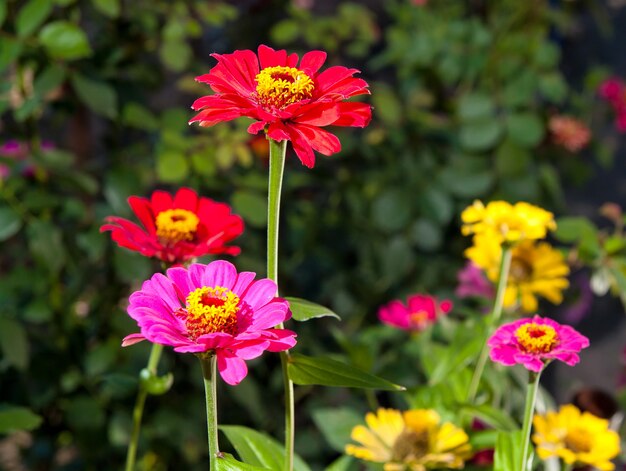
(318, 114)
(353, 114)
(269, 57)
(312, 61)
(142, 209)
(161, 201)
(187, 199)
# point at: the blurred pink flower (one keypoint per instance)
(613, 90)
(212, 309)
(420, 312)
(19, 153)
(533, 342)
(420, 3)
(473, 282)
(569, 132)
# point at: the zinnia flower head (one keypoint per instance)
(290, 101)
(510, 223)
(613, 90)
(533, 342)
(569, 133)
(177, 228)
(212, 309)
(537, 269)
(579, 439)
(419, 312)
(413, 440)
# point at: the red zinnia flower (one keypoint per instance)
(288, 101)
(177, 229)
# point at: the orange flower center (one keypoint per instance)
(210, 310)
(278, 87)
(536, 338)
(579, 440)
(419, 318)
(174, 225)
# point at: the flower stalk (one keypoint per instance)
(529, 409)
(209, 373)
(496, 314)
(153, 362)
(277, 166)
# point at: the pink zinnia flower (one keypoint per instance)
(212, 309)
(535, 342)
(177, 228)
(473, 282)
(569, 133)
(289, 101)
(611, 89)
(419, 312)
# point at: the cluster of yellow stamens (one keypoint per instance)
(536, 338)
(174, 225)
(210, 310)
(280, 86)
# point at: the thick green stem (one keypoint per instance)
(131, 454)
(496, 313)
(277, 166)
(209, 372)
(531, 396)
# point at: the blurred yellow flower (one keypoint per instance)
(577, 438)
(414, 440)
(510, 223)
(537, 269)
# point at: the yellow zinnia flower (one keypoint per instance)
(537, 269)
(577, 438)
(413, 440)
(510, 223)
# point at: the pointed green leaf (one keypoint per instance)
(336, 424)
(258, 449)
(31, 15)
(508, 452)
(303, 310)
(65, 40)
(327, 372)
(14, 343)
(491, 416)
(97, 95)
(226, 462)
(345, 463)
(17, 418)
(10, 223)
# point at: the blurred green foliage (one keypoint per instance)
(462, 93)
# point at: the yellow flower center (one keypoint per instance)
(579, 440)
(536, 338)
(211, 310)
(174, 225)
(280, 86)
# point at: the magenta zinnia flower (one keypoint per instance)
(535, 342)
(419, 312)
(289, 101)
(212, 309)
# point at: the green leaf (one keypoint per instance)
(172, 166)
(252, 206)
(336, 425)
(465, 346)
(391, 210)
(175, 54)
(10, 223)
(31, 16)
(483, 440)
(13, 418)
(139, 117)
(14, 343)
(156, 385)
(508, 452)
(3, 12)
(525, 129)
(388, 107)
(64, 40)
(46, 245)
(10, 49)
(475, 106)
(573, 229)
(285, 31)
(303, 310)
(226, 462)
(477, 136)
(98, 96)
(49, 79)
(305, 370)
(258, 449)
(110, 8)
(345, 463)
(491, 416)
(426, 235)
(512, 159)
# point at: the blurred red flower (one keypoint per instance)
(289, 101)
(177, 229)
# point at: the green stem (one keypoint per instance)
(209, 372)
(131, 454)
(531, 396)
(275, 183)
(496, 313)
